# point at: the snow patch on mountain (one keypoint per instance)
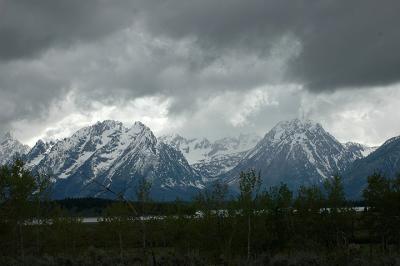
(212, 158)
(359, 150)
(37, 153)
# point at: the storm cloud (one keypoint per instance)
(263, 60)
(344, 43)
(28, 28)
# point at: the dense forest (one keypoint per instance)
(314, 225)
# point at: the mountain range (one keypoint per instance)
(297, 152)
(108, 156)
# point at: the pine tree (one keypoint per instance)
(20, 194)
(143, 189)
(339, 219)
(249, 185)
(376, 196)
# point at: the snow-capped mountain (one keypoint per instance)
(295, 152)
(117, 157)
(358, 149)
(108, 154)
(212, 158)
(10, 148)
(384, 160)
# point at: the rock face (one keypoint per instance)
(211, 159)
(10, 148)
(384, 160)
(116, 157)
(296, 152)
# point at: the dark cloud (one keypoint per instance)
(190, 51)
(344, 43)
(28, 28)
(27, 91)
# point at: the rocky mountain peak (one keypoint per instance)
(10, 148)
(294, 129)
(299, 124)
(113, 155)
(141, 131)
(139, 128)
(297, 152)
(140, 125)
(105, 125)
(109, 123)
(39, 145)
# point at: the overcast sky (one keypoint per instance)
(200, 68)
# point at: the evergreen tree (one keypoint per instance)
(308, 205)
(20, 191)
(382, 214)
(334, 193)
(339, 220)
(249, 185)
(143, 196)
(277, 202)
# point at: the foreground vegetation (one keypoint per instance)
(313, 226)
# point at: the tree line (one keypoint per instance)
(253, 227)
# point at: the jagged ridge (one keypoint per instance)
(107, 153)
(296, 152)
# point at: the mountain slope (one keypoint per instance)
(107, 153)
(359, 150)
(212, 158)
(384, 160)
(37, 153)
(295, 152)
(10, 148)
